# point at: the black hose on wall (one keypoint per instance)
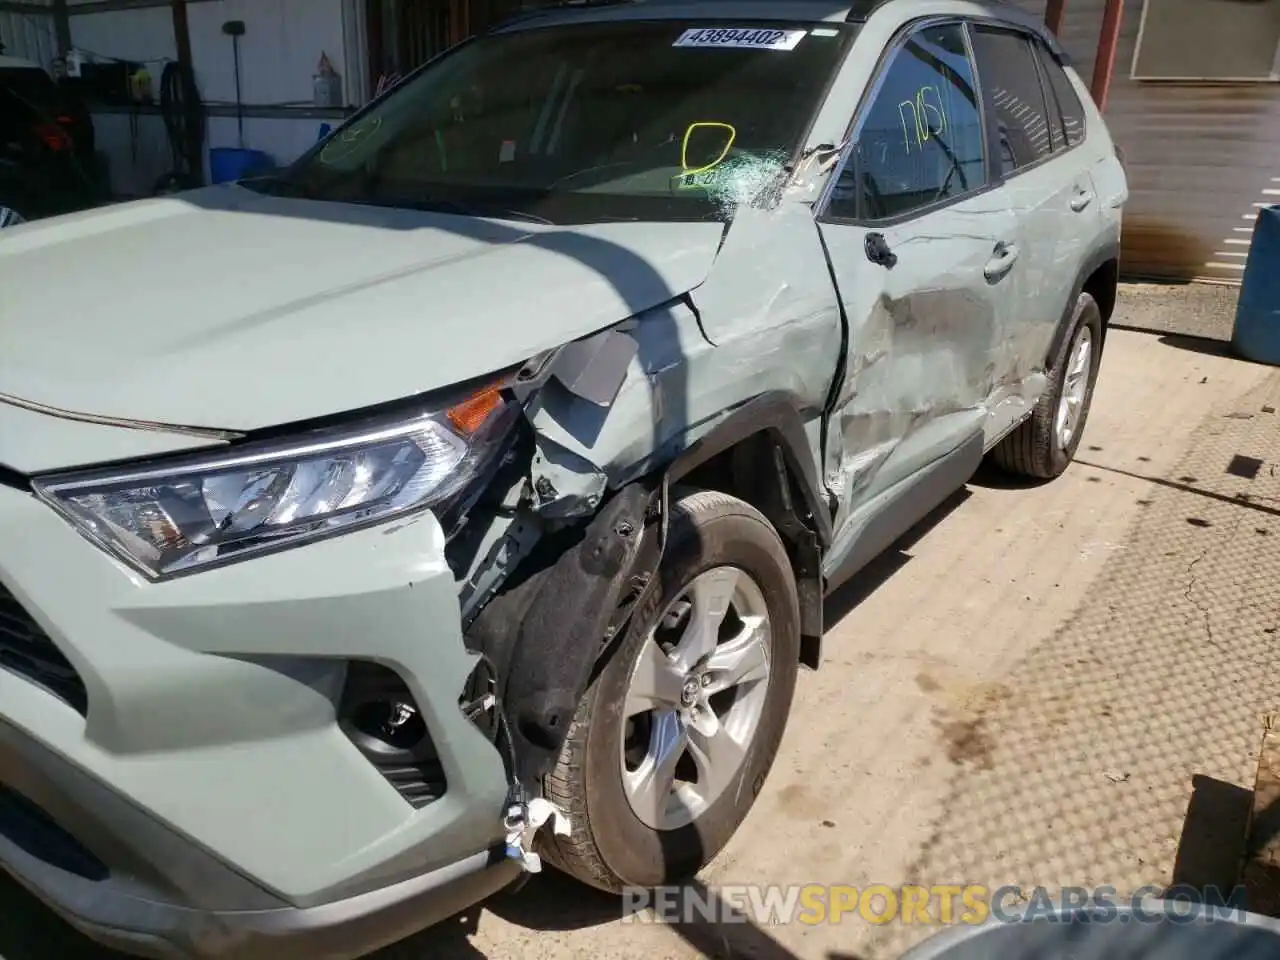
(184, 122)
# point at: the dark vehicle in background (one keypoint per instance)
(46, 146)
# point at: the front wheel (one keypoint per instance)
(675, 736)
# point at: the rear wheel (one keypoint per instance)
(675, 736)
(1043, 445)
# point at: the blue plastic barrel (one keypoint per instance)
(1256, 335)
(234, 163)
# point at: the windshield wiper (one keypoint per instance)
(279, 185)
(464, 209)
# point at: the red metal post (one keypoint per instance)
(1104, 64)
(1053, 16)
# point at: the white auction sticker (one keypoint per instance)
(752, 38)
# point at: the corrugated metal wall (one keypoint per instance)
(1202, 158)
(280, 52)
(29, 35)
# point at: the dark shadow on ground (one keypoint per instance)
(991, 477)
(1212, 844)
(1184, 485)
(552, 902)
(1207, 346)
(1211, 346)
(877, 573)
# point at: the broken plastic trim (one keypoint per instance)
(545, 650)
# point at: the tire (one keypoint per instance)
(1035, 449)
(610, 846)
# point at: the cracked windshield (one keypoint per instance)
(614, 121)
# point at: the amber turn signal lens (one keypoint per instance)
(470, 415)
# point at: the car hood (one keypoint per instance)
(229, 309)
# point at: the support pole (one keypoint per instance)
(1104, 64)
(61, 26)
(1053, 16)
(377, 42)
(182, 43)
(181, 32)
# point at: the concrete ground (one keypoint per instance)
(1027, 693)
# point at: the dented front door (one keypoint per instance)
(922, 251)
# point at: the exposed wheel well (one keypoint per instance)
(755, 471)
(1102, 285)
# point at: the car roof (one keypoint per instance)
(804, 11)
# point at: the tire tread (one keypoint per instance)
(577, 853)
(1028, 450)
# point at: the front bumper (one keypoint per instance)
(179, 784)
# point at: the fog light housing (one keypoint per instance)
(380, 717)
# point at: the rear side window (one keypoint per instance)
(1011, 83)
(920, 140)
(1065, 94)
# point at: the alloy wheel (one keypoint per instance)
(695, 698)
(1075, 386)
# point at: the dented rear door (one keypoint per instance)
(922, 250)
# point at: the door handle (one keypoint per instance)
(1004, 257)
(1081, 200)
(878, 252)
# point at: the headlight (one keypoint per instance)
(198, 511)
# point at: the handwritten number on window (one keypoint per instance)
(923, 117)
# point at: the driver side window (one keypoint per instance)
(920, 140)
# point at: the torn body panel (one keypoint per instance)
(927, 349)
(771, 309)
(766, 321)
(553, 618)
(607, 419)
(1057, 220)
(583, 447)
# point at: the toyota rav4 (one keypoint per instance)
(490, 464)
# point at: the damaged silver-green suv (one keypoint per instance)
(491, 463)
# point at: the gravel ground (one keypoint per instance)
(1190, 309)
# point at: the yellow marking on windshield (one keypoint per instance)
(349, 141)
(685, 169)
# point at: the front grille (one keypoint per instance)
(26, 650)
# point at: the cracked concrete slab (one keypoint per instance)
(1021, 695)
